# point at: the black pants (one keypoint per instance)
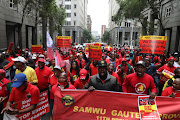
(160, 89)
(1, 108)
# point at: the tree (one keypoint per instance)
(87, 35)
(106, 37)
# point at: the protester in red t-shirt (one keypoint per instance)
(64, 56)
(22, 90)
(93, 68)
(169, 67)
(53, 79)
(82, 81)
(43, 73)
(80, 61)
(62, 84)
(123, 70)
(173, 91)
(73, 74)
(113, 60)
(110, 70)
(139, 82)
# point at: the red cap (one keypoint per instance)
(41, 60)
(171, 58)
(83, 74)
(3, 72)
(148, 57)
(103, 54)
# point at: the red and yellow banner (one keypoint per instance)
(95, 52)
(153, 44)
(63, 41)
(103, 105)
(36, 49)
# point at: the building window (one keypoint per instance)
(67, 6)
(127, 35)
(127, 24)
(68, 14)
(67, 0)
(75, 5)
(11, 3)
(74, 14)
(74, 23)
(68, 23)
(168, 11)
(67, 33)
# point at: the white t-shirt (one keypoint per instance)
(176, 64)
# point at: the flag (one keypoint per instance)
(50, 45)
(58, 60)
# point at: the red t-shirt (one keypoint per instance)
(93, 69)
(139, 85)
(82, 62)
(81, 84)
(117, 77)
(43, 77)
(162, 80)
(55, 87)
(168, 91)
(31, 92)
(53, 80)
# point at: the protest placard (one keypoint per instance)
(95, 52)
(36, 49)
(153, 44)
(10, 47)
(63, 41)
(41, 108)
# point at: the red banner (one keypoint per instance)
(153, 44)
(95, 52)
(36, 49)
(41, 108)
(103, 105)
(63, 41)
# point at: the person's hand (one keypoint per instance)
(152, 95)
(7, 108)
(13, 112)
(91, 88)
(173, 95)
(2, 99)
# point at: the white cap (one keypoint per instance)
(78, 54)
(41, 56)
(57, 67)
(19, 59)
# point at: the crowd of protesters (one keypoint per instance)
(121, 69)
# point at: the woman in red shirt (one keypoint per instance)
(73, 74)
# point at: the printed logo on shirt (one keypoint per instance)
(67, 100)
(140, 88)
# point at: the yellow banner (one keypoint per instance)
(36, 45)
(95, 47)
(153, 38)
(63, 37)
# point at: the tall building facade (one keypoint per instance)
(76, 19)
(10, 21)
(171, 22)
(122, 32)
(89, 23)
(103, 29)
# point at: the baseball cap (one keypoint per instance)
(18, 80)
(102, 63)
(141, 63)
(171, 58)
(57, 67)
(83, 74)
(41, 56)
(41, 60)
(19, 59)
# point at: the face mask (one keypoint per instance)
(63, 83)
(127, 59)
(21, 88)
(47, 63)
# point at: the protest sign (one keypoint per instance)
(153, 44)
(41, 108)
(10, 47)
(147, 108)
(95, 52)
(36, 49)
(104, 105)
(63, 41)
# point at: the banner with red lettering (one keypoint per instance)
(36, 49)
(153, 44)
(63, 41)
(104, 105)
(95, 52)
(41, 108)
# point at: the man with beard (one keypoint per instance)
(139, 82)
(169, 67)
(20, 64)
(43, 73)
(103, 80)
(173, 91)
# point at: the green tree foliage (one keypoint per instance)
(87, 36)
(106, 37)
